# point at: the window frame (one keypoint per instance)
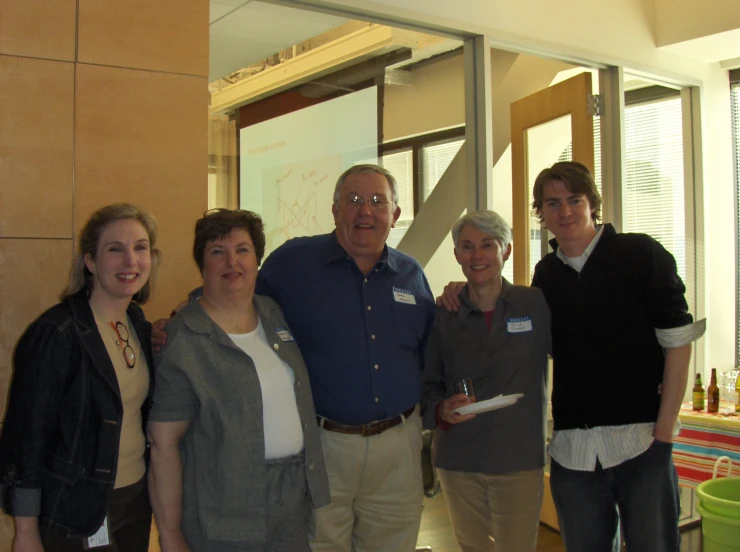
(417, 144)
(734, 78)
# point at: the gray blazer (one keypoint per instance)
(201, 376)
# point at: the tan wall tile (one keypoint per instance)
(34, 273)
(167, 35)
(142, 137)
(38, 28)
(36, 141)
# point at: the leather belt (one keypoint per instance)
(366, 430)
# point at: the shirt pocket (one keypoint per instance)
(408, 325)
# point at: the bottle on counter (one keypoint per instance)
(698, 394)
(737, 393)
(713, 393)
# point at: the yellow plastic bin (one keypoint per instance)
(719, 507)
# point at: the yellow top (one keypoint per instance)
(134, 386)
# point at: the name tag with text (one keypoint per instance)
(100, 538)
(284, 334)
(403, 296)
(519, 325)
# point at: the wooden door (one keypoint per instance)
(569, 98)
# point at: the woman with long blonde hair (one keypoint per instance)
(72, 450)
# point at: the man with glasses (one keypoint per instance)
(360, 312)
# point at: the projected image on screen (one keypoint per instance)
(289, 165)
(303, 192)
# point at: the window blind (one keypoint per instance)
(653, 186)
(435, 160)
(401, 165)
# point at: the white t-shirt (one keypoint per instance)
(282, 423)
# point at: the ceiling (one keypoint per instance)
(246, 31)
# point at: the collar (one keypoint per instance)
(198, 321)
(79, 304)
(578, 262)
(333, 252)
(605, 230)
(467, 307)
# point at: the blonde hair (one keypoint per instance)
(80, 277)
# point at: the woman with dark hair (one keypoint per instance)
(236, 456)
(72, 448)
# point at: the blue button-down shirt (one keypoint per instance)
(362, 336)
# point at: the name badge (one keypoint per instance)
(284, 334)
(519, 325)
(403, 296)
(100, 538)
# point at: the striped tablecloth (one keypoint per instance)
(704, 438)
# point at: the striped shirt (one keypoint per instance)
(579, 449)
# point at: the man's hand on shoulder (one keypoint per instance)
(450, 298)
(159, 335)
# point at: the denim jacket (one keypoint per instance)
(59, 445)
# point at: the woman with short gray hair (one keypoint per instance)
(490, 464)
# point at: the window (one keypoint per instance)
(417, 164)
(435, 160)
(653, 186)
(401, 166)
(735, 99)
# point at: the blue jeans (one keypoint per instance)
(641, 492)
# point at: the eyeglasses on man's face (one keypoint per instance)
(376, 201)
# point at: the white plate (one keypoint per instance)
(491, 404)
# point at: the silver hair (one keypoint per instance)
(490, 223)
(367, 169)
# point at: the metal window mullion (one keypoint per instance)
(611, 90)
(693, 212)
(478, 123)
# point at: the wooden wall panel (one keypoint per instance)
(36, 141)
(38, 28)
(142, 137)
(34, 273)
(167, 35)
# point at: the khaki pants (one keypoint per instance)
(504, 509)
(376, 491)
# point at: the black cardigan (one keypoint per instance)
(608, 363)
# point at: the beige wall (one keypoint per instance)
(99, 102)
(681, 20)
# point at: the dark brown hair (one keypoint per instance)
(576, 177)
(219, 223)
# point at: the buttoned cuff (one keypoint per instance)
(670, 338)
(26, 502)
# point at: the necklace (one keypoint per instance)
(237, 327)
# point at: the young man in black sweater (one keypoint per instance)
(622, 339)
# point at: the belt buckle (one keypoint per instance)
(365, 433)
